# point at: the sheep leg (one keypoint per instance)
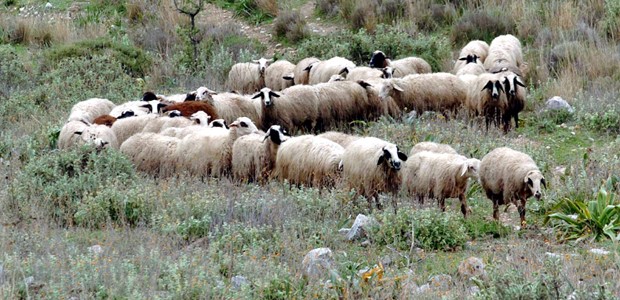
(442, 204)
(521, 209)
(495, 210)
(516, 117)
(463, 200)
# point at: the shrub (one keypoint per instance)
(257, 11)
(81, 187)
(13, 73)
(578, 219)
(327, 8)
(433, 230)
(291, 26)
(483, 25)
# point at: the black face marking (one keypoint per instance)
(377, 60)
(530, 182)
(126, 114)
(243, 124)
(364, 84)
(78, 132)
(148, 96)
(543, 182)
(402, 156)
(258, 95)
(272, 94)
(160, 106)
(190, 96)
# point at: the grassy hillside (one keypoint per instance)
(184, 238)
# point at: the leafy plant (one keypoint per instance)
(576, 219)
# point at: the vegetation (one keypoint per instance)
(187, 238)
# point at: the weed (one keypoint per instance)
(291, 26)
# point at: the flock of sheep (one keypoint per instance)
(244, 136)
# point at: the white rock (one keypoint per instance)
(440, 282)
(557, 103)
(552, 255)
(49, 5)
(239, 282)
(95, 249)
(360, 226)
(598, 251)
(472, 267)
(318, 263)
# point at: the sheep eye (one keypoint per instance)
(243, 124)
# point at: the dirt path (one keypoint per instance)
(263, 32)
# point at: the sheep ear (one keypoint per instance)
(488, 86)
(274, 94)
(309, 67)
(464, 168)
(543, 182)
(258, 95)
(363, 83)
(190, 96)
(160, 106)
(290, 76)
(463, 58)
(78, 132)
(344, 71)
(499, 86)
(398, 88)
(518, 82)
(381, 160)
(402, 156)
(528, 180)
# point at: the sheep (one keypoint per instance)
(152, 153)
(218, 123)
(208, 154)
(230, 106)
(509, 176)
(516, 94)
(308, 160)
(108, 120)
(477, 48)
(371, 166)
(505, 50)
(88, 110)
(382, 106)
(189, 108)
(138, 107)
(202, 125)
(440, 176)
(248, 77)
(77, 133)
(279, 75)
(364, 73)
(344, 101)
(402, 67)
(431, 147)
(254, 155)
(302, 70)
(295, 108)
(157, 125)
(340, 138)
(486, 96)
(323, 70)
(441, 92)
(124, 128)
(473, 66)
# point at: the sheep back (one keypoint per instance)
(275, 72)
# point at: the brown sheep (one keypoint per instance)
(187, 109)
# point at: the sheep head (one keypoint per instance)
(388, 72)
(378, 60)
(90, 136)
(277, 134)
(470, 168)
(218, 123)
(266, 94)
(204, 94)
(200, 117)
(148, 96)
(389, 88)
(243, 126)
(534, 179)
(470, 58)
(391, 156)
(263, 63)
(154, 106)
(511, 82)
(336, 77)
(495, 88)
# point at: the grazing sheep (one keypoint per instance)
(505, 50)
(340, 138)
(124, 128)
(371, 166)
(230, 106)
(207, 154)
(323, 70)
(431, 147)
(152, 153)
(90, 109)
(77, 133)
(401, 67)
(279, 75)
(189, 108)
(301, 73)
(254, 155)
(509, 176)
(248, 77)
(294, 108)
(383, 106)
(341, 102)
(477, 48)
(308, 160)
(486, 97)
(441, 92)
(440, 176)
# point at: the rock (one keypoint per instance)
(49, 5)
(29, 280)
(344, 231)
(552, 255)
(557, 103)
(318, 263)
(472, 267)
(473, 290)
(360, 226)
(423, 288)
(239, 282)
(598, 251)
(440, 282)
(365, 243)
(95, 249)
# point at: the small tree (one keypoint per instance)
(191, 8)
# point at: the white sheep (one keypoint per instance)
(138, 107)
(254, 155)
(208, 154)
(401, 67)
(77, 133)
(509, 176)
(323, 70)
(371, 166)
(279, 75)
(439, 176)
(201, 122)
(248, 77)
(301, 73)
(124, 128)
(308, 160)
(90, 109)
(440, 92)
(381, 105)
(486, 97)
(157, 125)
(230, 106)
(340, 138)
(477, 48)
(431, 147)
(505, 50)
(474, 67)
(152, 153)
(364, 73)
(341, 102)
(295, 108)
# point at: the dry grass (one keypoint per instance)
(268, 6)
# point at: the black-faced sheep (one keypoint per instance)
(152, 153)
(248, 77)
(486, 97)
(308, 160)
(323, 70)
(431, 147)
(440, 92)
(90, 109)
(301, 73)
(477, 48)
(279, 75)
(210, 154)
(439, 176)
(471, 66)
(372, 166)
(509, 176)
(295, 108)
(402, 67)
(516, 94)
(254, 155)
